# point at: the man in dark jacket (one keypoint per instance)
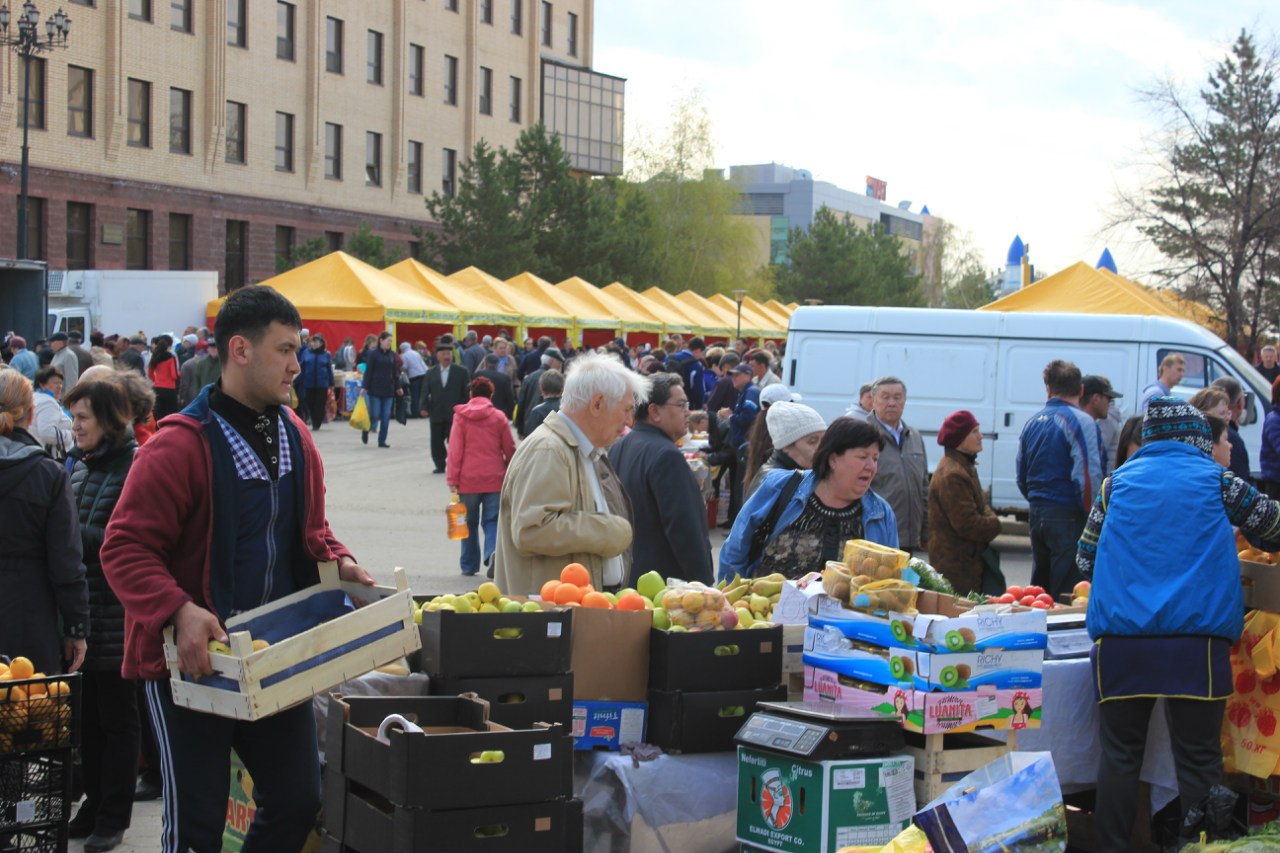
(551, 383)
(83, 356)
(669, 515)
(447, 385)
(530, 394)
(1239, 452)
(688, 365)
(504, 398)
(531, 361)
(131, 358)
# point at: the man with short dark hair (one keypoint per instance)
(668, 513)
(1236, 399)
(242, 524)
(131, 358)
(724, 393)
(207, 369)
(530, 392)
(84, 358)
(745, 407)
(472, 352)
(551, 384)
(687, 364)
(1061, 465)
(864, 404)
(902, 477)
(762, 369)
(1097, 399)
(503, 397)
(447, 385)
(532, 359)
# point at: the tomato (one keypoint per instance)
(1040, 605)
(1034, 590)
(1027, 600)
(1015, 591)
(1004, 599)
(1045, 597)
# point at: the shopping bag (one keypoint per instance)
(1250, 741)
(1013, 803)
(360, 416)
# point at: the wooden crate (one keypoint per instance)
(249, 685)
(943, 759)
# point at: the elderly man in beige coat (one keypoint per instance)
(561, 500)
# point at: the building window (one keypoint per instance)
(585, 109)
(137, 232)
(236, 33)
(35, 228)
(373, 159)
(486, 91)
(235, 132)
(79, 101)
(179, 241)
(451, 5)
(180, 15)
(34, 110)
(573, 34)
(285, 236)
(79, 215)
(449, 172)
(179, 121)
(415, 167)
(515, 99)
(235, 254)
(417, 66)
(517, 17)
(546, 24)
(333, 239)
(374, 74)
(333, 151)
(284, 142)
(333, 45)
(139, 114)
(486, 12)
(451, 80)
(140, 10)
(284, 30)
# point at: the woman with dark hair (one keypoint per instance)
(1270, 456)
(813, 512)
(142, 401)
(162, 370)
(316, 375)
(104, 452)
(370, 344)
(480, 449)
(381, 386)
(1130, 439)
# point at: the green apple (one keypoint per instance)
(651, 585)
(512, 607)
(531, 607)
(661, 620)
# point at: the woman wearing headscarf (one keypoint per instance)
(961, 524)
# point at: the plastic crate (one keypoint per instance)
(39, 714)
(40, 839)
(35, 800)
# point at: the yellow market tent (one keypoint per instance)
(679, 314)
(781, 318)
(539, 316)
(669, 324)
(591, 324)
(752, 316)
(340, 296)
(717, 320)
(780, 310)
(633, 319)
(479, 313)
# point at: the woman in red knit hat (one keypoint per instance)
(961, 525)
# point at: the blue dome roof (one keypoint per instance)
(925, 210)
(1106, 262)
(1016, 251)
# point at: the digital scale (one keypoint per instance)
(820, 731)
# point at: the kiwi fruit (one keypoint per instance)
(964, 671)
(949, 677)
(954, 640)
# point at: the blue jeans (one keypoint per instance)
(380, 414)
(1055, 532)
(482, 509)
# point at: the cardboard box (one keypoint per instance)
(939, 626)
(706, 661)
(985, 708)
(1261, 585)
(434, 770)
(792, 649)
(794, 806)
(608, 725)
(610, 658)
(517, 703)
(682, 721)
(479, 645)
(1016, 670)
(855, 660)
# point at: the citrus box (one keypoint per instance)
(793, 806)
(942, 624)
(1011, 670)
(928, 712)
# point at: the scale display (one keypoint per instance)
(819, 731)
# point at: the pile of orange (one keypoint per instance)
(35, 713)
(574, 589)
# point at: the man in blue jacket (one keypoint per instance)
(740, 418)
(1061, 465)
(688, 365)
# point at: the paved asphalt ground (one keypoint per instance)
(388, 508)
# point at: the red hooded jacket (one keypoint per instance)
(480, 447)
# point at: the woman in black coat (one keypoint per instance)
(100, 419)
(381, 386)
(40, 564)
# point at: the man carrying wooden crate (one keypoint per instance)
(223, 512)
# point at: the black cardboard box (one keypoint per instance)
(683, 721)
(704, 661)
(434, 770)
(517, 703)
(364, 823)
(479, 645)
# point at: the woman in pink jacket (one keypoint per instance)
(480, 448)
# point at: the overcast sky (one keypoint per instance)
(1004, 117)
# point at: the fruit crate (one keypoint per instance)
(336, 645)
(941, 760)
(39, 714)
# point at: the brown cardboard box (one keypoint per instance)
(610, 658)
(1261, 585)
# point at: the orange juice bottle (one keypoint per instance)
(456, 515)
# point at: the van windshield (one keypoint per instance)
(1248, 374)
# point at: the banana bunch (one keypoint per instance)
(753, 598)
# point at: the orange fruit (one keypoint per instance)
(4, 668)
(548, 592)
(21, 668)
(39, 688)
(576, 574)
(566, 593)
(59, 688)
(596, 599)
(631, 601)
(12, 694)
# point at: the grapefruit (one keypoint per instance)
(567, 593)
(597, 600)
(576, 574)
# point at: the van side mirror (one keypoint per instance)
(1250, 414)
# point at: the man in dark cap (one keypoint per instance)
(530, 393)
(1098, 400)
(131, 358)
(64, 359)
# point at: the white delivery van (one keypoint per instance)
(126, 301)
(991, 363)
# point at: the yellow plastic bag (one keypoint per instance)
(910, 840)
(886, 596)
(1250, 734)
(360, 416)
(877, 561)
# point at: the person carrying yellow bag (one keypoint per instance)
(360, 415)
(1250, 740)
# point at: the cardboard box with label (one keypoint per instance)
(608, 725)
(793, 806)
(1015, 670)
(942, 625)
(610, 664)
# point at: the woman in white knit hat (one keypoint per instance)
(795, 430)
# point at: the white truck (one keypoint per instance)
(991, 363)
(128, 301)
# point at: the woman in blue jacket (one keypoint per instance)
(1166, 606)
(316, 378)
(820, 509)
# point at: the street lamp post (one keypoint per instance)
(738, 296)
(27, 43)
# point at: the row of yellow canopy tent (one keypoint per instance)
(340, 296)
